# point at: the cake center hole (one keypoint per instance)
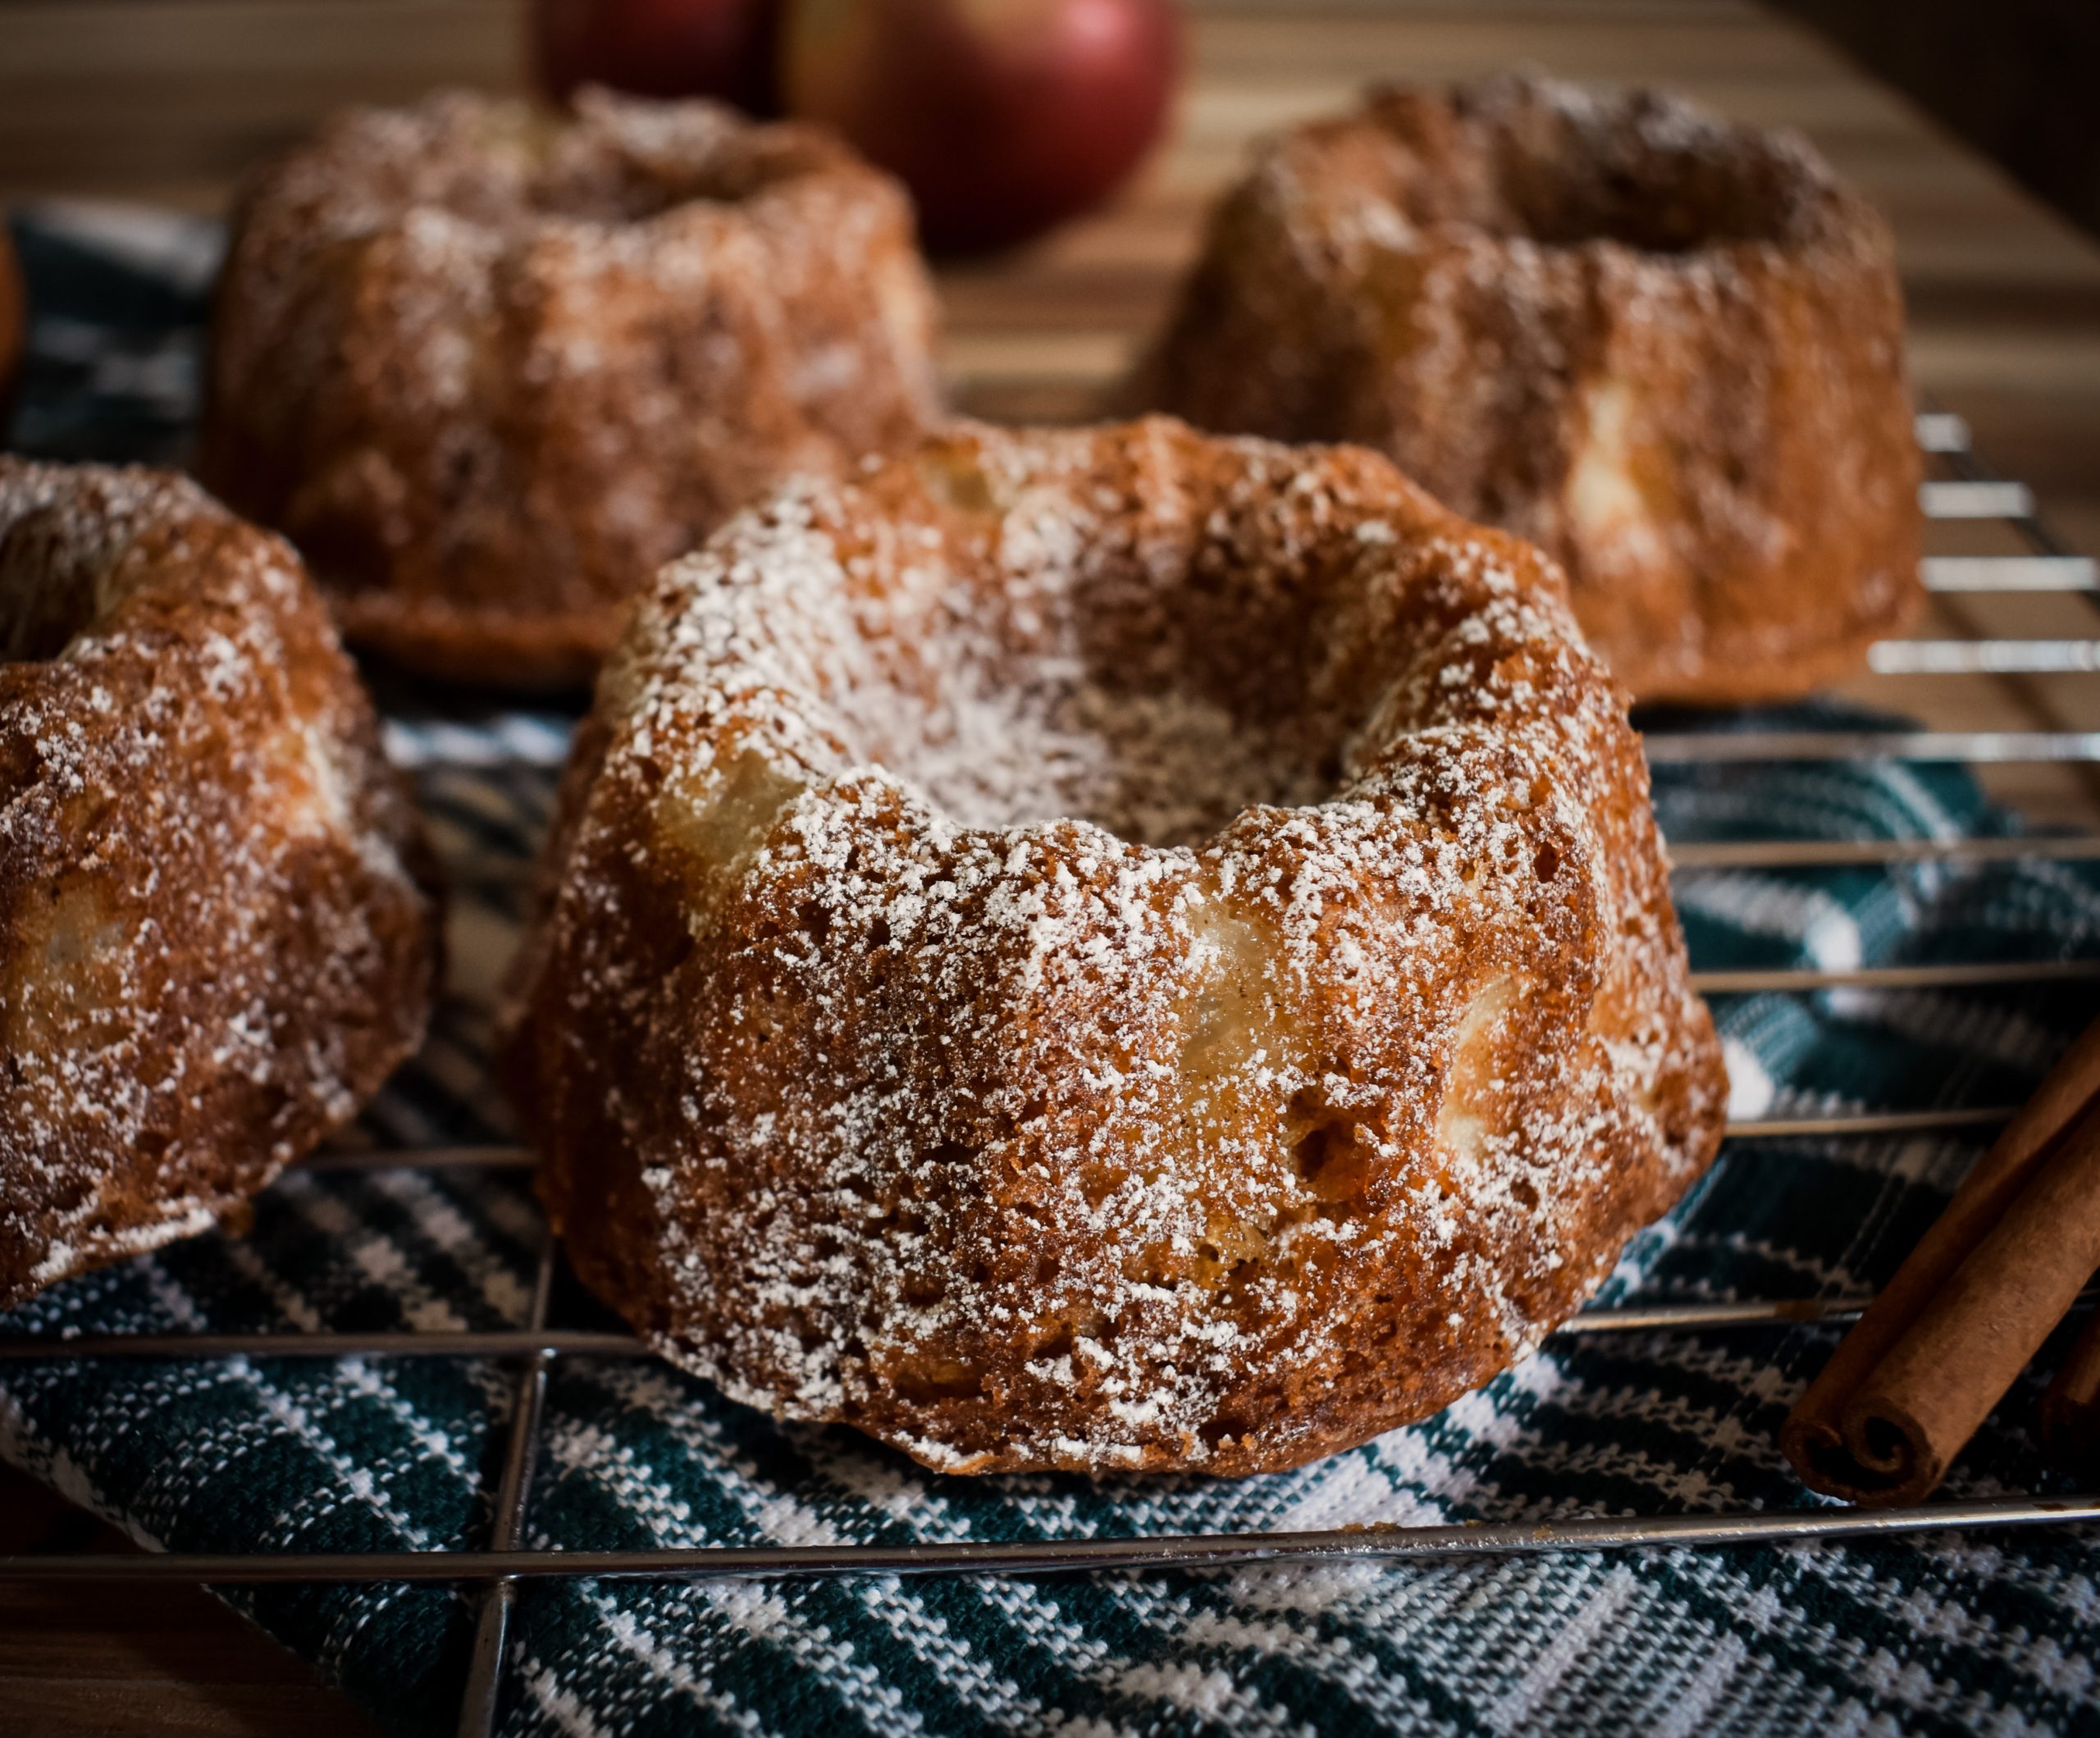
(604, 168)
(1012, 742)
(1659, 201)
(46, 602)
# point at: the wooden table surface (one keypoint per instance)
(166, 100)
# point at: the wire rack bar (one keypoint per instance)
(406, 746)
(1881, 853)
(1941, 431)
(1850, 1123)
(1974, 498)
(495, 1343)
(1982, 747)
(542, 1344)
(471, 868)
(1377, 1542)
(477, 1705)
(2009, 574)
(1684, 748)
(1986, 975)
(1983, 657)
(1858, 1125)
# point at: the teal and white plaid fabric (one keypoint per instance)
(1994, 1632)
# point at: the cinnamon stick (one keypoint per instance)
(1940, 1346)
(2070, 1409)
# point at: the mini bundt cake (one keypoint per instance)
(489, 369)
(218, 928)
(1668, 350)
(1107, 950)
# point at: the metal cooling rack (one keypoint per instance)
(1962, 491)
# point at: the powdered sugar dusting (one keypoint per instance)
(212, 942)
(1107, 950)
(490, 368)
(1665, 348)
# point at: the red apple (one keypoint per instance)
(1003, 116)
(724, 48)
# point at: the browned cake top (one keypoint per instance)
(489, 367)
(1109, 949)
(1569, 166)
(502, 173)
(1561, 166)
(1667, 349)
(213, 936)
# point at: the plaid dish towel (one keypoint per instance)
(1994, 1632)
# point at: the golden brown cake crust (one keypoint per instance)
(490, 369)
(218, 930)
(1110, 950)
(1668, 350)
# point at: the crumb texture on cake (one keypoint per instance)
(218, 926)
(488, 368)
(1667, 349)
(1106, 950)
